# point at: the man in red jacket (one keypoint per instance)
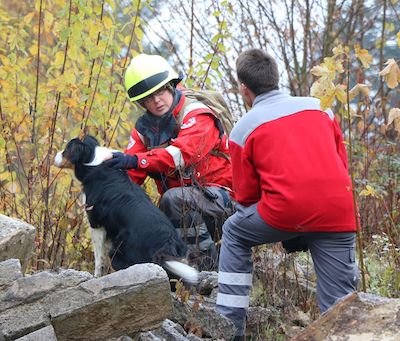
(291, 181)
(180, 144)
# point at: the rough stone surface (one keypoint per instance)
(203, 315)
(22, 320)
(168, 331)
(16, 240)
(44, 334)
(10, 270)
(208, 284)
(33, 288)
(21, 301)
(357, 317)
(122, 303)
(259, 317)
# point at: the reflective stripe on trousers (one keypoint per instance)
(332, 253)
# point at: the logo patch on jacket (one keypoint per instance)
(191, 121)
(131, 143)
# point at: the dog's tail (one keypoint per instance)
(182, 270)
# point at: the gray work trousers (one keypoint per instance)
(333, 256)
(199, 220)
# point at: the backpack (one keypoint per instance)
(215, 101)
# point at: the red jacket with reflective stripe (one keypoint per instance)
(288, 156)
(196, 150)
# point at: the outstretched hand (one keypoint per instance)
(122, 161)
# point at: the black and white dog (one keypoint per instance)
(120, 211)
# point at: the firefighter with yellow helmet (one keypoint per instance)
(179, 143)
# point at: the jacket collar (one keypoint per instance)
(271, 97)
(179, 105)
(159, 130)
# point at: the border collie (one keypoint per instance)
(120, 211)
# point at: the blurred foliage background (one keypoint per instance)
(61, 75)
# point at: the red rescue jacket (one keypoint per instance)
(288, 156)
(197, 152)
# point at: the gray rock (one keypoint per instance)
(357, 316)
(293, 275)
(169, 331)
(208, 282)
(122, 303)
(22, 320)
(205, 316)
(10, 270)
(44, 334)
(259, 316)
(16, 240)
(33, 288)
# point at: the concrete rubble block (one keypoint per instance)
(122, 303)
(44, 334)
(33, 288)
(358, 316)
(16, 240)
(10, 270)
(22, 320)
(204, 316)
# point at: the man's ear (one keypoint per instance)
(248, 95)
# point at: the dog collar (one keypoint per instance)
(100, 154)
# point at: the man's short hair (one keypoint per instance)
(258, 71)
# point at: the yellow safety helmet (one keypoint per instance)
(147, 73)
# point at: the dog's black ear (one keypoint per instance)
(78, 151)
(90, 141)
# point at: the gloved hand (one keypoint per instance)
(122, 161)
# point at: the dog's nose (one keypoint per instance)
(58, 159)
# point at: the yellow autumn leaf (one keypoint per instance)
(363, 55)
(340, 93)
(320, 71)
(369, 191)
(358, 89)
(28, 18)
(48, 21)
(4, 59)
(391, 73)
(394, 117)
(70, 102)
(323, 89)
(33, 49)
(70, 78)
(139, 33)
(334, 65)
(398, 39)
(59, 58)
(389, 27)
(338, 50)
(107, 23)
